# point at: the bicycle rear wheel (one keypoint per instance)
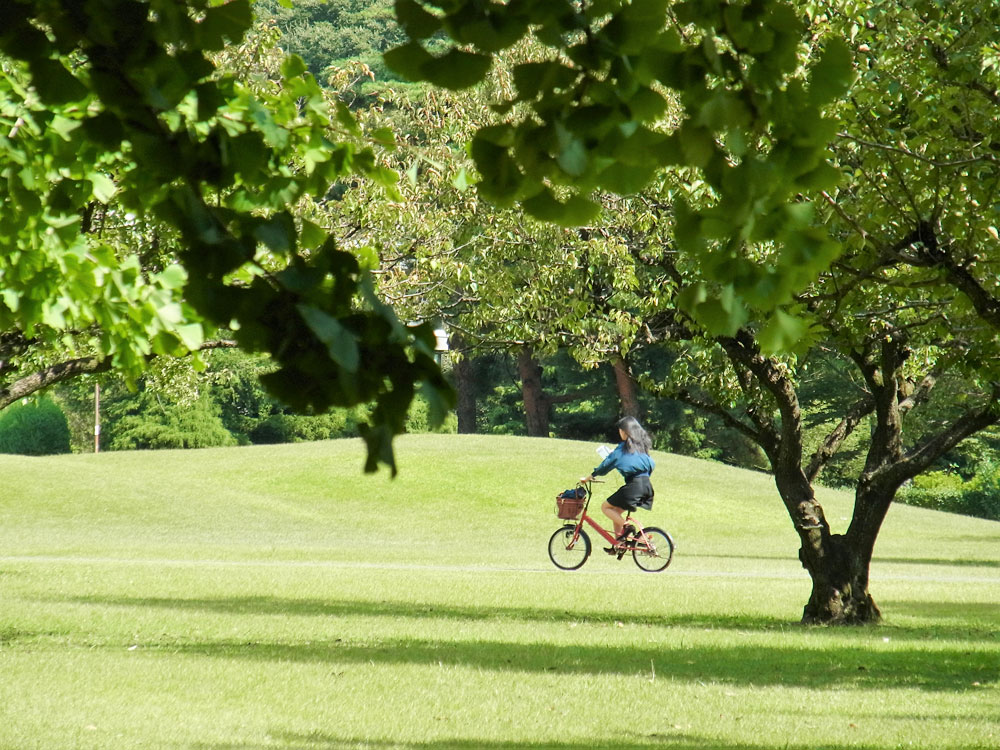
(566, 553)
(657, 554)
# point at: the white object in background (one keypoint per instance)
(603, 451)
(440, 340)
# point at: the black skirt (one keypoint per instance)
(637, 493)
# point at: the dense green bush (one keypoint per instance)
(36, 428)
(947, 491)
(194, 425)
(296, 428)
(418, 419)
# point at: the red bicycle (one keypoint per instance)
(569, 547)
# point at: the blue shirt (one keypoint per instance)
(630, 465)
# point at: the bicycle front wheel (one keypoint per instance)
(569, 549)
(656, 554)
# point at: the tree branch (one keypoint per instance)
(920, 458)
(62, 371)
(858, 411)
(713, 408)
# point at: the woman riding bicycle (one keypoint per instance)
(631, 458)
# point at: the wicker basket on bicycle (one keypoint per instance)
(570, 503)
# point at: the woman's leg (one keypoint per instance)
(615, 514)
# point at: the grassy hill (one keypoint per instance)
(312, 500)
(276, 597)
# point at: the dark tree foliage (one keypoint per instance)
(328, 33)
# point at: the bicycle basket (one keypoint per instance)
(570, 503)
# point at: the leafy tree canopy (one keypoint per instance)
(592, 111)
(120, 100)
(327, 33)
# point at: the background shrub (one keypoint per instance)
(947, 491)
(38, 428)
(194, 425)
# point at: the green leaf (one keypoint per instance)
(339, 341)
(312, 235)
(461, 181)
(63, 126)
(412, 172)
(576, 211)
(647, 104)
(384, 137)
(172, 277)
(502, 178)
(346, 118)
(104, 187)
(572, 158)
(192, 335)
(277, 232)
(724, 111)
(457, 69)
(781, 332)
(721, 313)
(12, 299)
(627, 179)
(55, 84)
(378, 441)
(419, 24)
(275, 135)
(531, 78)
(293, 66)
(439, 403)
(831, 77)
(408, 60)
(697, 145)
(225, 22)
(170, 313)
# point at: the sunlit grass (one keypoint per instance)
(275, 598)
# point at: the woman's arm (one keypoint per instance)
(609, 463)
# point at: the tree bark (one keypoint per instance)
(839, 593)
(837, 566)
(536, 406)
(31, 383)
(628, 390)
(464, 375)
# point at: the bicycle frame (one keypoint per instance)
(570, 546)
(639, 533)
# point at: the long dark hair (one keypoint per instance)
(637, 440)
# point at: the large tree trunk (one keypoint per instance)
(536, 405)
(628, 391)
(464, 375)
(837, 564)
(839, 584)
(840, 565)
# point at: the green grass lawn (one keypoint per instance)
(275, 597)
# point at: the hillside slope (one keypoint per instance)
(456, 498)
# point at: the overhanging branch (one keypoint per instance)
(63, 371)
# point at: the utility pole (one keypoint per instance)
(97, 418)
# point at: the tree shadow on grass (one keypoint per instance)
(266, 605)
(291, 607)
(971, 563)
(677, 741)
(754, 663)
